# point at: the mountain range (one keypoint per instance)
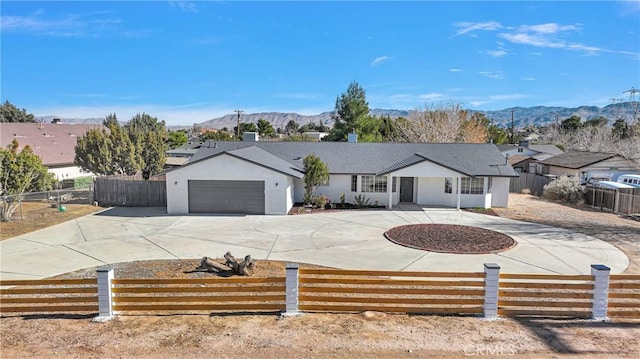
(522, 116)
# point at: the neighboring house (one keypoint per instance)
(525, 157)
(267, 177)
(54, 143)
(587, 165)
(181, 155)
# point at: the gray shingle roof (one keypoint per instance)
(577, 159)
(263, 158)
(373, 158)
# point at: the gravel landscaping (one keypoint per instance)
(450, 238)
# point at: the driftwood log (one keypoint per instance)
(230, 267)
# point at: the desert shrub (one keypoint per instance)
(526, 191)
(342, 199)
(321, 200)
(564, 188)
(361, 201)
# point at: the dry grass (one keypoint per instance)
(38, 215)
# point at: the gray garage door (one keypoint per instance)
(244, 197)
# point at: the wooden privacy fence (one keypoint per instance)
(530, 181)
(49, 296)
(338, 290)
(488, 294)
(130, 193)
(622, 200)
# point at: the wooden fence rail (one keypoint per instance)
(599, 295)
(192, 295)
(49, 296)
(330, 290)
(548, 295)
(622, 200)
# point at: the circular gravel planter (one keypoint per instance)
(450, 238)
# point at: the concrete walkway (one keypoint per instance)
(348, 239)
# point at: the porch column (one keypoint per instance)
(389, 190)
(458, 194)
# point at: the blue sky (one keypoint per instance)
(188, 62)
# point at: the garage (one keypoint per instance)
(229, 197)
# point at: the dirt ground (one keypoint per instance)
(622, 232)
(38, 215)
(363, 335)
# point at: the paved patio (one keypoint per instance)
(347, 239)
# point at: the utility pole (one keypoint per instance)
(238, 128)
(513, 129)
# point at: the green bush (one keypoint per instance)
(321, 200)
(564, 188)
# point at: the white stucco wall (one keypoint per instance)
(68, 172)
(500, 196)
(225, 167)
(339, 184)
(431, 192)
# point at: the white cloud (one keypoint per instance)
(528, 78)
(430, 96)
(547, 35)
(456, 70)
(185, 6)
(379, 60)
(548, 28)
(497, 53)
(477, 103)
(467, 27)
(71, 25)
(493, 74)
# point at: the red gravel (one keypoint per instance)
(450, 238)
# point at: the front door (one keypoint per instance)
(406, 189)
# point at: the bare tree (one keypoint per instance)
(443, 123)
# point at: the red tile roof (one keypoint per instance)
(54, 143)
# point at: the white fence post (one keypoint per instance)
(491, 287)
(105, 298)
(600, 273)
(291, 283)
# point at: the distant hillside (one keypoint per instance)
(523, 116)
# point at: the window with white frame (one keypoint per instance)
(471, 185)
(354, 183)
(373, 184)
(490, 185)
(448, 185)
(393, 184)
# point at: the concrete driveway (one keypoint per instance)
(349, 239)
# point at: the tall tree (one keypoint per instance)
(107, 151)
(10, 113)
(148, 136)
(315, 174)
(351, 110)
(572, 123)
(176, 139)
(245, 127)
(217, 136)
(291, 127)
(265, 128)
(20, 172)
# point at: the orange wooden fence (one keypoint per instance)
(49, 296)
(334, 290)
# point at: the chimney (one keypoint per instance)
(352, 136)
